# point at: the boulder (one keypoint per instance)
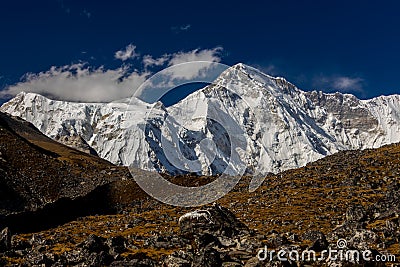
(215, 220)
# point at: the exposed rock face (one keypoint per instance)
(282, 126)
(76, 141)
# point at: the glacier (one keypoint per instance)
(244, 122)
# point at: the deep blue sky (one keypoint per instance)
(314, 44)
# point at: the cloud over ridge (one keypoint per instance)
(83, 83)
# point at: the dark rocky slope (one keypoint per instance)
(42, 181)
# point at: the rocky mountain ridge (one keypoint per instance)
(281, 126)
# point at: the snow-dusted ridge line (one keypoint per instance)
(284, 127)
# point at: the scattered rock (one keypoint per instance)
(279, 241)
(179, 259)
(356, 213)
(207, 257)
(319, 245)
(20, 244)
(94, 244)
(313, 235)
(116, 245)
(363, 239)
(5, 240)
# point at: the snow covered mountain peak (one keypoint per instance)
(282, 127)
(247, 80)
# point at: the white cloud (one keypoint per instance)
(83, 83)
(347, 83)
(340, 83)
(149, 61)
(182, 28)
(184, 71)
(212, 55)
(191, 71)
(127, 53)
(79, 82)
(185, 27)
(177, 75)
(183, 68)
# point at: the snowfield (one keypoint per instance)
(246, 121)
